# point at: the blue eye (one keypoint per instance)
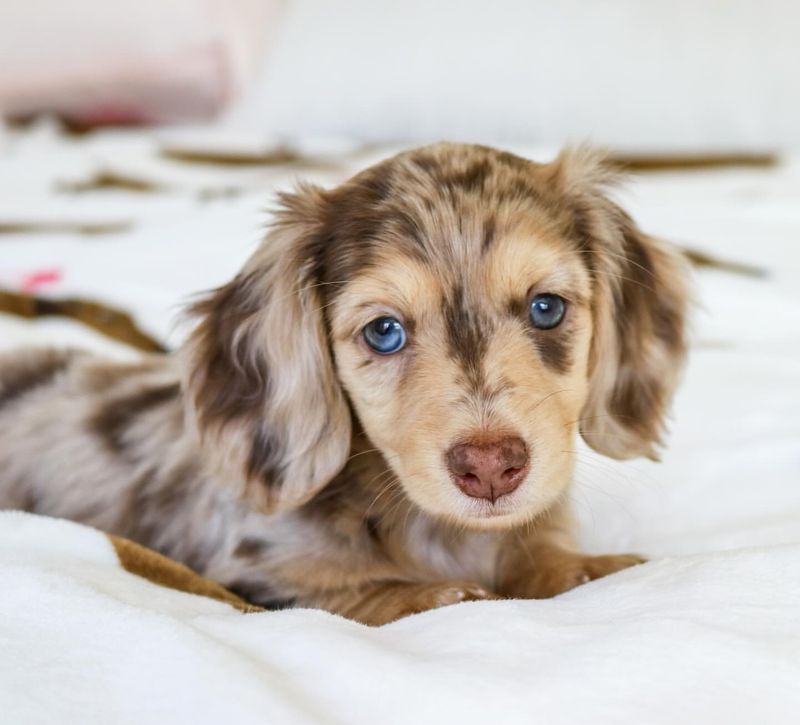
(385, 335)
(547, 311)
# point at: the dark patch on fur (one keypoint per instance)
(250, 547)
(171, 494)
(379, 186)
(19, 376)
(667, 317)
(580, 229)
(467, 336)
(471, 179)
(646, 306)
(372, 525)
(426, 163)
(353, 223)
(134, 520)
(276, 604)
(554, 349)
(332, 501)
(511, 160)
(112, 422)
(156, 497)
(519, 307)
(407, 226)
(263, 460)
(261, 594)
(101, 377)
(232, 386)
(489, 231)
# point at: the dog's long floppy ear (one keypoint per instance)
(259, 375)
(640, 304)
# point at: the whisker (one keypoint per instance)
(623, 257)
(547, 397)
(362, 453)
(305, 288)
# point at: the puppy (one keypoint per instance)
(378, 415)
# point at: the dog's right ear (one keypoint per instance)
(640, 309)
(258, 371)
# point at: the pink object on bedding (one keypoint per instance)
(35, 281)
(129, 61)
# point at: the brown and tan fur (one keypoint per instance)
(278, 455)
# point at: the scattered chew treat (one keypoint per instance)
(109, 321)
(701, 259)
(645, 163)
(64, 227)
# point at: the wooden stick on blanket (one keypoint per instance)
(701, 259)
(109, 321)
(654, 163)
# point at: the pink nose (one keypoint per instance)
(488, 470)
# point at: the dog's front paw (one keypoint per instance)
(572, 570)
(388, 602)
(422, 597)
(442, 595)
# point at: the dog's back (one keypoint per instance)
(91, 440)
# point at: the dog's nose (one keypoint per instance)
(489, 470)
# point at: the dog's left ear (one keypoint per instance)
(260, 382)
(640, 302)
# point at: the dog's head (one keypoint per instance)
(475, 311)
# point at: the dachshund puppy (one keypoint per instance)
(378, 415)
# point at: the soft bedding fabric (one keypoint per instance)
(708, 631)
(705, 639)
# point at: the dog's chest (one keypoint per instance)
(449, 555)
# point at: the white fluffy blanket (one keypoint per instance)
(706, 638)
(708, 631)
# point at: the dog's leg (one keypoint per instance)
(554, 570)
(546, 561)
(387, 601)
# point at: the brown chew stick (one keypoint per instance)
(109, 321)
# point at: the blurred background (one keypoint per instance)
(669, 76)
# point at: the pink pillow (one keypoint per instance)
(128, 61)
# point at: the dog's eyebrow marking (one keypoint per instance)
(467, 336)
(112, 421)
(23, 376)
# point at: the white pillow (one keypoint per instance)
(682, 74)
(131, 61)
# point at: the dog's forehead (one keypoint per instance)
(451, 217)
(447, 200)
